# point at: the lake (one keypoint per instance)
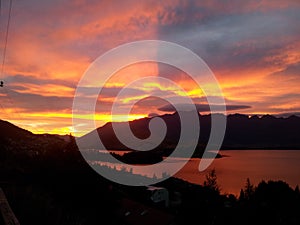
(237, 165)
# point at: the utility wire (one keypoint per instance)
(6, 35)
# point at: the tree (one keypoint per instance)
(249, 189)
(297, 190)
(242, 195)
(211, 181)
(71, 144)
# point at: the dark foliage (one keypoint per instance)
(47, 182)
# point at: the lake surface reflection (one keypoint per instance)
(238, 165)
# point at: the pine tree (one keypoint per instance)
(211, 181)
(242, 195)
(249, 189)
(297, 192)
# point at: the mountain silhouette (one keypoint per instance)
(23, 152)
(242, 132)
(9, 130)
(20, 142)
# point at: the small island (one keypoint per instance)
(141, 157)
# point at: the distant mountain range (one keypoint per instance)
(242, 132)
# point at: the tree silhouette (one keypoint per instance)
(242, 195)
(249, 189)
(297, 190)
(71, 144)
(211, 181)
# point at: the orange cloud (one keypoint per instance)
(50, 46)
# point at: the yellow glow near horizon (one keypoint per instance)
(195, 93)
(102, 117)
(38, 128)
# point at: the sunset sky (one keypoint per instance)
(252, 47)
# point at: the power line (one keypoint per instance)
(3, 86)
(4, 51)
(6, 35)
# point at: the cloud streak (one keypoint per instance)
(201, 107)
